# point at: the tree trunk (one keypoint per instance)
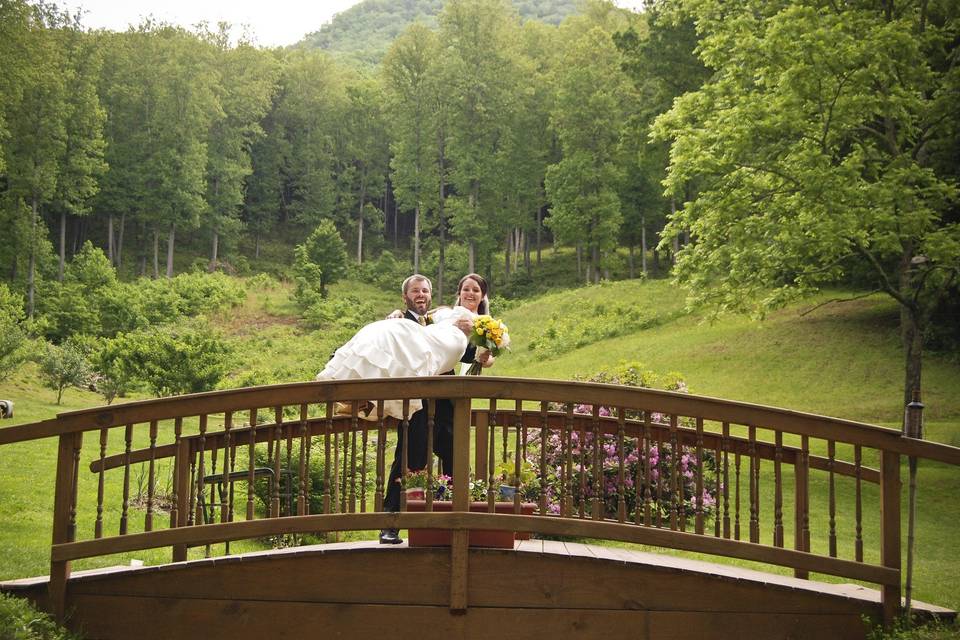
(213, 252)
(631, 262)
(123, 226)
(676, 238)
(256, 246)
(526, 253)
(579, 261)
(539, 232)
(595, 259)
(363, 195)
(32, 266)
(110, 250)
(507, 246)
(643, 245)
(911, 331)
(170, 241)
(416, 239)
(63, 245)
(471, 257)
(156, 253)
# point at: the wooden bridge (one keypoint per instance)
(596, 470)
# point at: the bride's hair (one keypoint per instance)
(484, 307)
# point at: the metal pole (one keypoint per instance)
(912, 428)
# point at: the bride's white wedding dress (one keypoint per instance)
(398, 348)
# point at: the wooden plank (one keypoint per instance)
(202, 534)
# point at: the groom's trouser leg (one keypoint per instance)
(417, 458)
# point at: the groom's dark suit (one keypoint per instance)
(417, 453)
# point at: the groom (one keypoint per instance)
(417, 296)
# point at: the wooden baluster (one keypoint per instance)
(200, 517)
(75, 488)
(230, 491)
(778, 489)
(405, 457)
(754, 487)
(286, 504)
(676, 488)
(660, 481)
(890, 547)
(621, 463)
(343, 470)
(381, 458)
(178, 475)
(726, 480)
(831, 464)
(304, 464)
(428, 454)
(517, 448)
(227, 468)
(209, 511)
(352, 475)
(503, 452)
(717, 487)
(858, 467)
(698, 510)
(801, 540)
(736, 503)
(327, 498)
(151, 477)
(566, 484)
(191, 507)
(582, 445)
(127, 439)
(251, 463)
(276, 437)
(599, 488)
(363, 470)
(544, 437)
(98, 525)
(647, 484)
(491, 457)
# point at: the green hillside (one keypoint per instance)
(363, 32)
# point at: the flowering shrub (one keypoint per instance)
(663, 462)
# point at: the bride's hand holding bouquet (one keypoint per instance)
(489, 335)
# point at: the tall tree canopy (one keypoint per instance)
(826, 142)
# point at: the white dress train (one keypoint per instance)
(398, 348)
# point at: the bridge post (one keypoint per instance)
(64, 517)
(890, 532)
(181, 479)
(461, 502)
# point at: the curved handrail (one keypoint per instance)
(708, 408)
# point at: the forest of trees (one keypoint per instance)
(768, 147)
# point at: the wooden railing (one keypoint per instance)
(607, 462)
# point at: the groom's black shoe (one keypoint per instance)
(390, 536)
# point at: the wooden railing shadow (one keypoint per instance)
(612, 463)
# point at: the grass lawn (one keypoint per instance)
(841, 360)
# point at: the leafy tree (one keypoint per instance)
(825, 142)
(482, 74)
(185, 358)
(326, 250)
(63, 366)
(82, 163)
(587, 117)
(13, 339)
(247, 81)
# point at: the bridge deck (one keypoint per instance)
(539, 589)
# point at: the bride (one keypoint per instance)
(395, 348)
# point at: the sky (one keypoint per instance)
(271, 22)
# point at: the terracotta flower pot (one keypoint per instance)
(478, 537)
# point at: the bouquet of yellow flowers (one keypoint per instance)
(489, 334)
